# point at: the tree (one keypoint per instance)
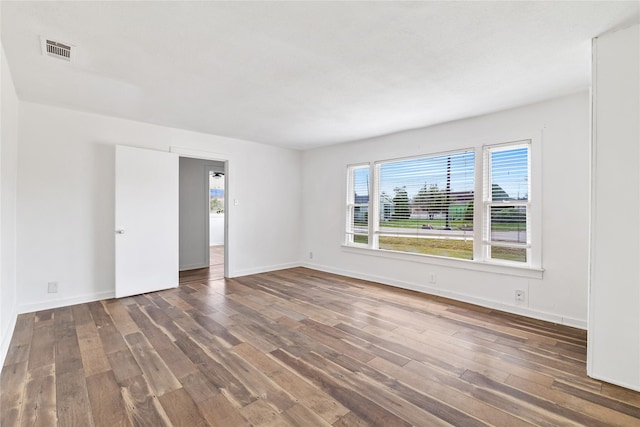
(430, 200)
(401, 208)
(498, 194)
(468, 214)
(216, 205)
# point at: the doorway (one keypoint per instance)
(216, 222)
(202, 184)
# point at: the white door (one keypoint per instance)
(146, 220)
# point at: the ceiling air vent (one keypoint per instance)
(59, 50)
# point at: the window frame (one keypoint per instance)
(488, 203)
(352, 205)
(532, 269)
(375, 179)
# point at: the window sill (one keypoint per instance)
(511, 270)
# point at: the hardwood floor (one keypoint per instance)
(303, 348)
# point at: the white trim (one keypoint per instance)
(199, 154)
(426, 155)
(264, 269)
(418, 287)
(533, 246)
(591, 312)
(612, 381)
(492, 267)
(195, 266)
(8, 335)
(64, 302)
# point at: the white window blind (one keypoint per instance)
(426, 204)
(506, 230)
(358, 205)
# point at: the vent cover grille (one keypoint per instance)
(58, 50)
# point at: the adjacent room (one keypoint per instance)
(230, 213)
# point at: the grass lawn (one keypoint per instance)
(509, 254)
(441, 247)
(462, 249)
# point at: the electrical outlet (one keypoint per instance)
(519, 295)
(310, 255)
(432, 278)
(52, 287)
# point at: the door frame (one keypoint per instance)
(226, 159)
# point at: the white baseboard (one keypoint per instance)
(264, 269)
(419, 287)
(193, 266)
(63, 302)
(633, 387)
(7, 334)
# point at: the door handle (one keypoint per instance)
(119, 231)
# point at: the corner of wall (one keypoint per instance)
(7, 335)
(8, 177)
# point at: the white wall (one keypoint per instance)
(560, 296)
(614, 315)
(65, 206)
(216, 229)
(8, 173)
(194, 211)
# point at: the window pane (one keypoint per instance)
(509, 224)
(216, 193)
(441, 247)
(359, 238)
(357, 226)
(510, 174)
(426, 201)
(509, 254)
(361, 185)
(360, 219)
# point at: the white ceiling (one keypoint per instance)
(304, 74)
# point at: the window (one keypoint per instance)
(425, 205)
(216, 192)
(506, 229)
(358, 205)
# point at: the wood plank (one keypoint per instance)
(159, 338)
(142, 408)
(160, 378)
(124, 365)
(94, 359)
(121, 318)
(545, 411)
(363, 407)
(20, 345)
(72, 399)
(220, 412)
(12, 386)
(68, 357)
(181, 409)
(318, 401)
(43, 345)
(299, 347)
(107, 404)
(112, 340)
(260, 413)
(299, 415)
(458, 397)
(39, 403)
(603, 413)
